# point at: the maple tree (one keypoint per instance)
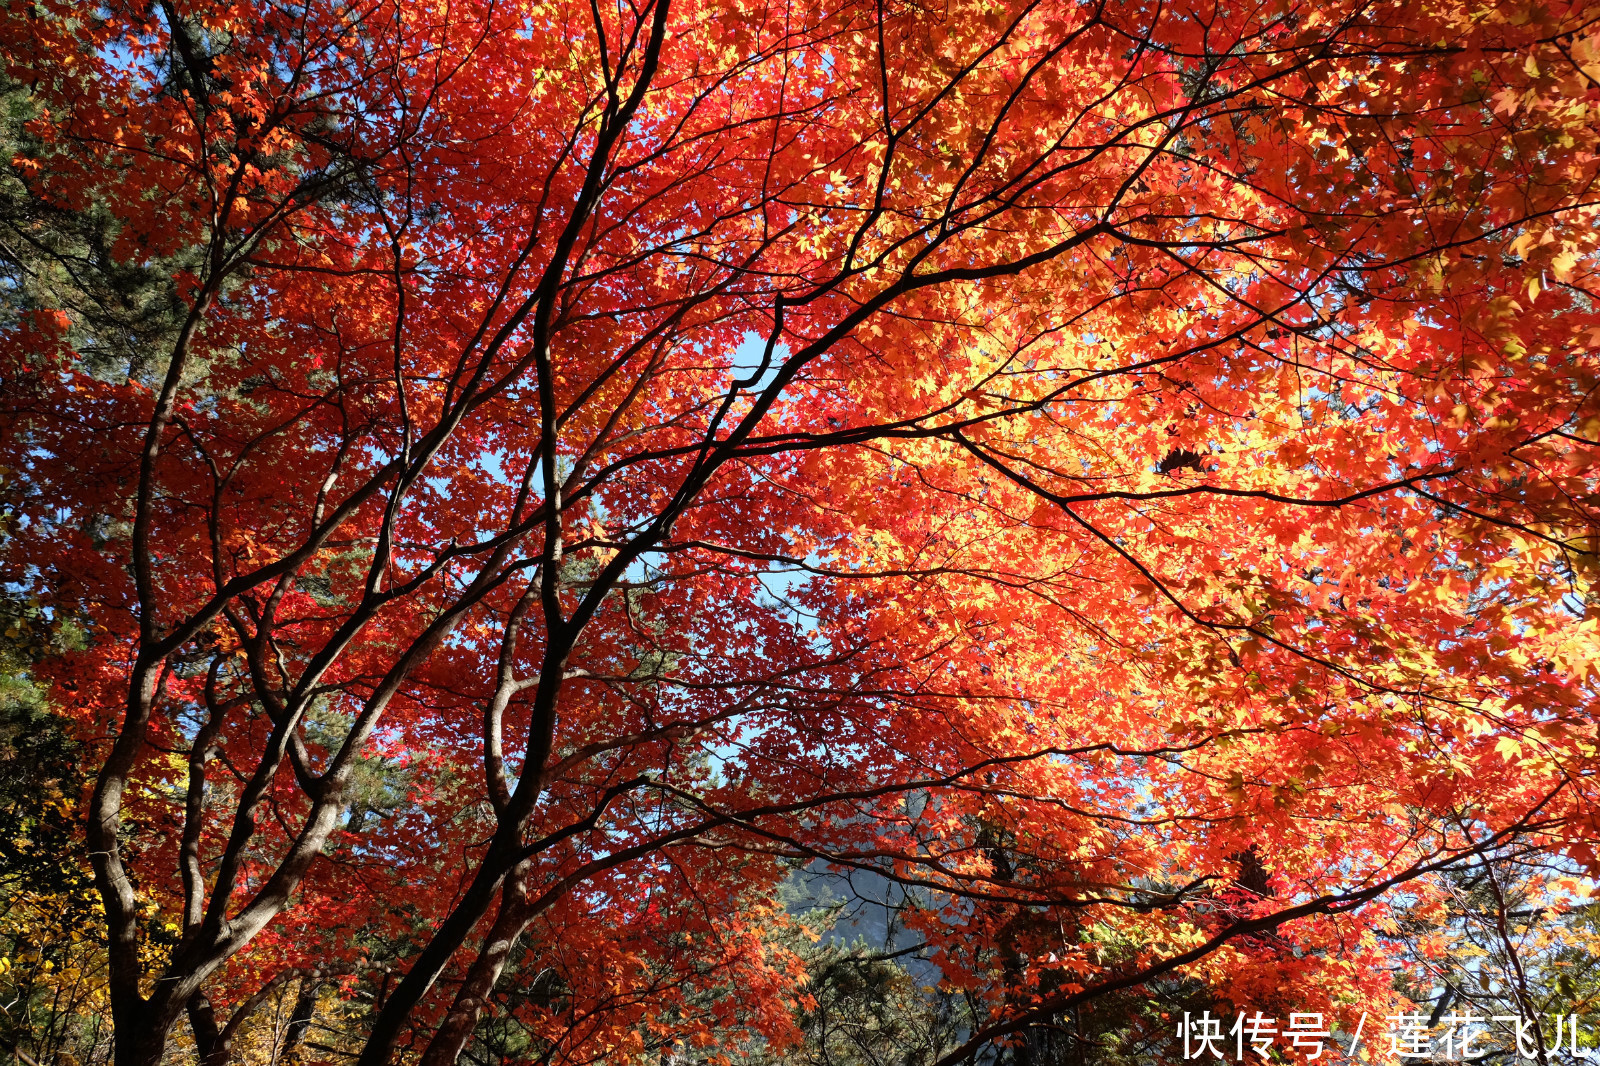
(528, 475)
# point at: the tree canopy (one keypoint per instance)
(521, 479)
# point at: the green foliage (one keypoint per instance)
(869, 1009)
(124, 308)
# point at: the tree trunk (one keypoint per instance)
(473, 996)
(305, 1005)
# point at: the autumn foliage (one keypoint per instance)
(531, 475)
